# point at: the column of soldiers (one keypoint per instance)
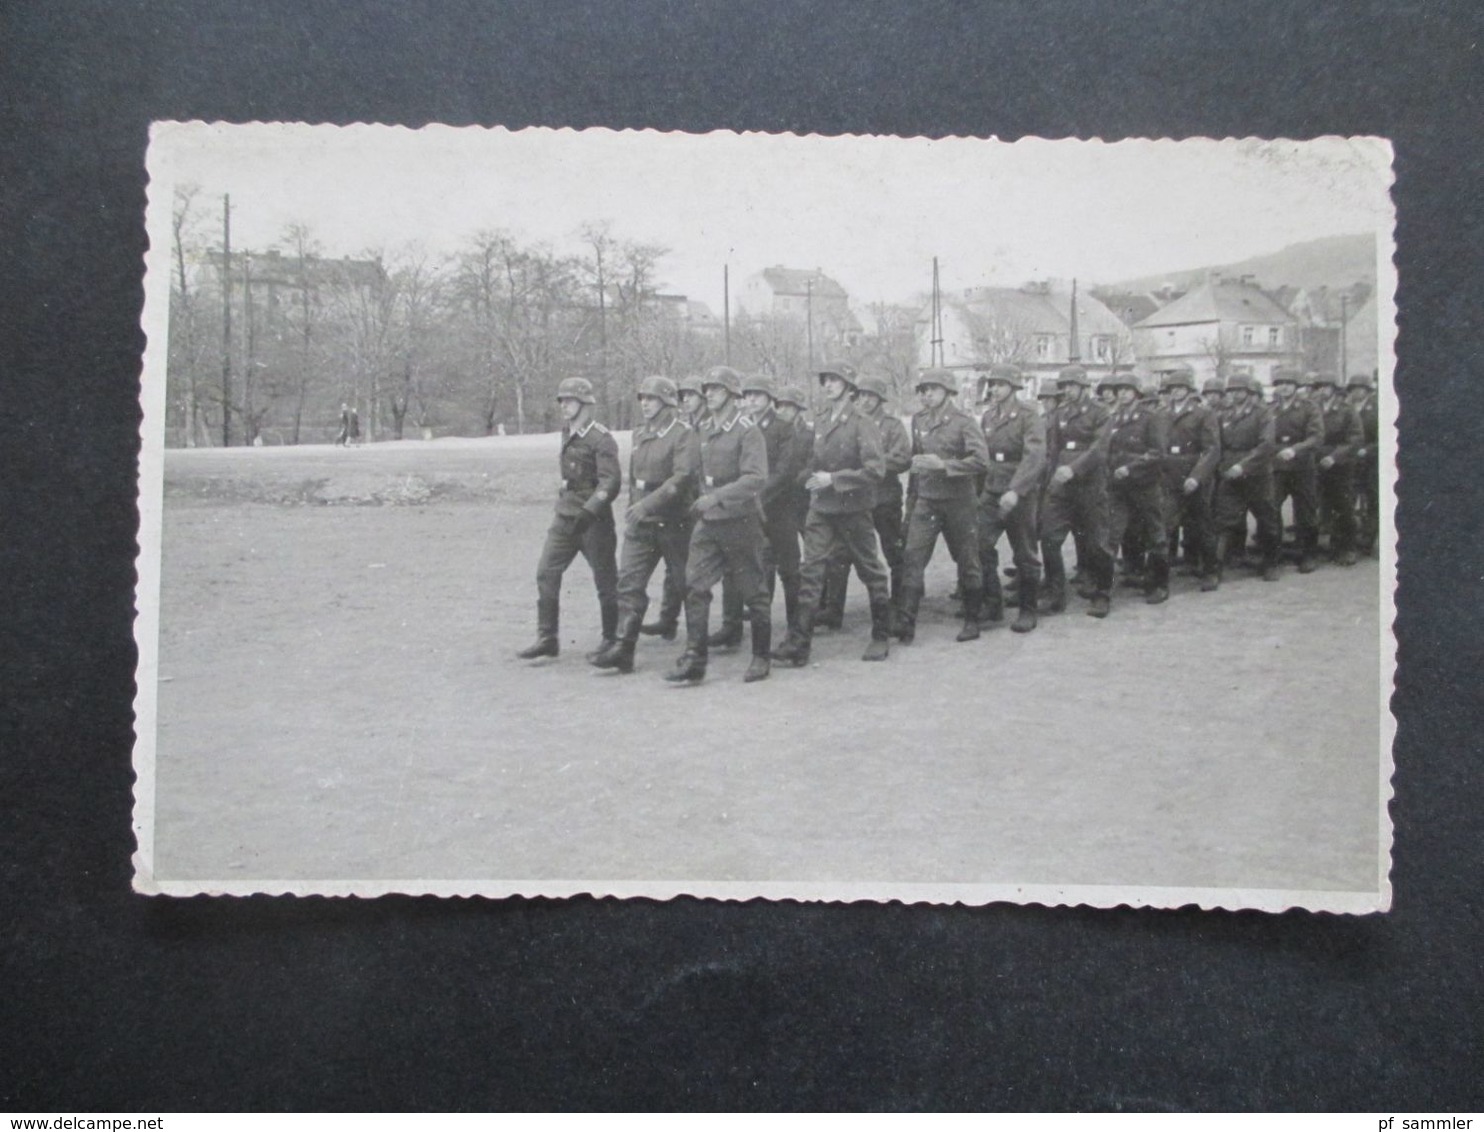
(731, 484)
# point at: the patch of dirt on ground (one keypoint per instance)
(339, 698)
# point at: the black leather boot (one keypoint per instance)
(1055, 591)
(729, 636)
(547, 619)
(762, 642)
(993, 609)
(619, 655)
(881, 617)
(1158, 588)
(794, 651)
(973, 605)
(1026, 621)
(907, 616)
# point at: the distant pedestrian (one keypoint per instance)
(350, 426)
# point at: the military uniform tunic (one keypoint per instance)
(1298, 426)
(1343, 436)
(1192, 450)
(728, 535)
(780, 533)
(886, 516)
(663, 470)
(1138, 436)
(1077, 438)
(1248, 442)
(1367, 474)
(589, 482)
(847, 445)
(945, 500)
(1015, 455)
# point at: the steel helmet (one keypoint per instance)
(1073, 375)
(1358, 381)
(688, 385)
(1182, 376)
(1213, 385)
(843, 370)
(1124, 379)
(1286, 376)
(1005, 374)
(943, 378)
(793, 395)
(661, 387)
(874, 383)
(1326, 379)
(576, 389)
(724, 376)
(1245, 381)
(760, 383)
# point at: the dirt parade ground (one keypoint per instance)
(339, 698)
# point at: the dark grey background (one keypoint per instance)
(113, 1001)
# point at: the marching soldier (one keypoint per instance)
(1213, 393)
(781, 556)
(870, 398)
(1077, 494)
(1245, 477)
(1015, 442)
(844, 468)
(662, 475)
(948, 452)
(1194, 446)
(792, 406)
(728, 534)
(583, 523)
(1362, 399)
(691, 408)
(1342, 437)
(1138, 435)
(1298, 431)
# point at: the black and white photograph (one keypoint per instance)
(549, 511)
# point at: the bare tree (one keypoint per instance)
(185, 337)
(304, 248)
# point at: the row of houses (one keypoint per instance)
(1220, 326)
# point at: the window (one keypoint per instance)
(1247, 335)
(1102, 347)
(1043, 346)
(1274, 335)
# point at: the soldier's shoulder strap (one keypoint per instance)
(745, 421)
(599, 426)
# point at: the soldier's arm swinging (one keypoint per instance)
(873, 463)
(610, 477)
(1205, 466)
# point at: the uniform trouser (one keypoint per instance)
(1254, 494)
(825, 534)
(1368, 496)
(958, 521)
(1136, 513)
(597, 544)
(645, 545)
(1077, 505)
(1191, 513)
(731, 546)
(1337, 488)
(780, 559)
(672, 592)
(1300, 483)
(1020, 527)
(886, 517)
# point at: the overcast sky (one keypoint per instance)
(872, 212)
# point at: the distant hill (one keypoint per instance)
(1331, 261)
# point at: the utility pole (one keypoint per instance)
(247, 348)
(1344, 318)
(809, 319)
(726, 313)
(935, 343)
(227, 320)
(1074, 354)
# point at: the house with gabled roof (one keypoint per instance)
(1220, 327)
(1030, 325)
(806, 295)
